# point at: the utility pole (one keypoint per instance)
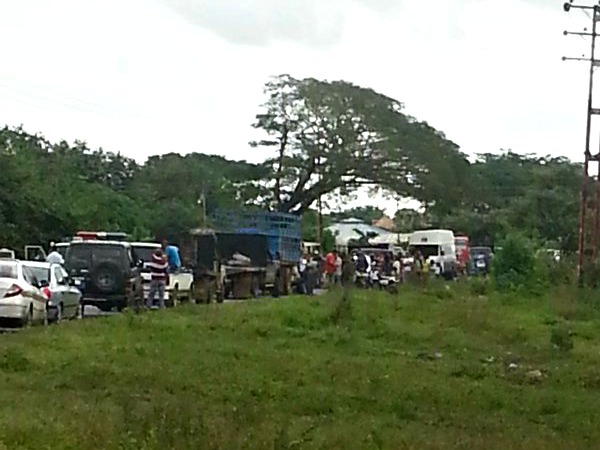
(588, 157)
(319, 207)
(202, 205)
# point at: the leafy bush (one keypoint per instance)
(479, 286)
(515, 266)
(561, 337)
(342, 306)
(558, 273)
(564, 302)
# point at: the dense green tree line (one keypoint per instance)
(328, 139)
(49, 191)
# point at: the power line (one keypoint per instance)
(66, 101)
(46, 90)
(49, 103)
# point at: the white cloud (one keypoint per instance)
(261, 22)
(153, 76)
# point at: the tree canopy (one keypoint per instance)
(326, 138)
(333, 137)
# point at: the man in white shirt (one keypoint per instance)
(397, 267)
(54, 257)
(369, 263)
(302, 272)
(338, 269)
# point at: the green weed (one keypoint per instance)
(366, 370)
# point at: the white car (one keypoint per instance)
(63, 296)
(22, 303)
(180, 284)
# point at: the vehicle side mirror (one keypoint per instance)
(44, 283)
(140, 264)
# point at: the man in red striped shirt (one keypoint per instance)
(159, 278)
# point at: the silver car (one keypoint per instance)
(22, 303)
(63, 297)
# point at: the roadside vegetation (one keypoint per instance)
(439, 366)
(50, 190)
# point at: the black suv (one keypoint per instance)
(107, 273)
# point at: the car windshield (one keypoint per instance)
(476, 252)
(143, 252)
(40, 273)
(427, 250)
(461, 244)
(87, 255)
(8, 269)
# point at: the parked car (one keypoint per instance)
(6, 253)
(181, 283)
(107, 273)
(63, 297)
(480, 260)
(62, 248)
(22, 303)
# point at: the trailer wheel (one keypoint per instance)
(255, 288)
(286, 281)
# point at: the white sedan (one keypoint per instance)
(63, 297)
(22, 303)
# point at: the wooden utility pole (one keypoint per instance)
(584, 234)
(202, 209)
(319, 221)
(319, 207)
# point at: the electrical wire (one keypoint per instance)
(47, 103)
(56, 98)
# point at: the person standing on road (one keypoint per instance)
(330, 261)
(397, 268)
(303, 272)
(338, 269)
(54, 257)
(348, 271)
(159, 278)
(313, 273)
(172, 253)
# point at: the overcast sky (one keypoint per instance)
(154, 76)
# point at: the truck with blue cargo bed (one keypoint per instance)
(244, 255)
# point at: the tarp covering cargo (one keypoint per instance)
(223, 247)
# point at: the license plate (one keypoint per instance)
(480, 265)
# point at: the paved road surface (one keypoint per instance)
(92, 311)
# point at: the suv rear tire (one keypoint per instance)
(107, 277)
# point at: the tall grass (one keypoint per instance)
(440, 368)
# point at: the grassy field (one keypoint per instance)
(443, 368)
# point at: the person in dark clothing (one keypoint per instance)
(348, 271)
(387, 264)
(362, 264)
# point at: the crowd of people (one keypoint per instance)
(366, 269)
